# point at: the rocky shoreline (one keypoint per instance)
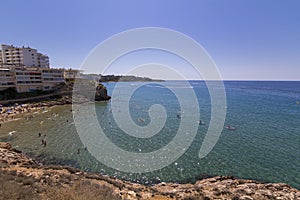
(13, 111)
(28, 177)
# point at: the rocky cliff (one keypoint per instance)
(24, 178)
(101, 93)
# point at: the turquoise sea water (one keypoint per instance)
(265, 145)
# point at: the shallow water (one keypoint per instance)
(265, 145)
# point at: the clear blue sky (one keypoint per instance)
(251, 39)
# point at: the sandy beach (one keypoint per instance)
(28, 110)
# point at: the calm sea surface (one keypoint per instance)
(265, 145)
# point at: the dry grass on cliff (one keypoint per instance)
(17, 186)
(83, 190)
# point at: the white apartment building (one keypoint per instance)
(22, 56)
(28, 79)
(71, 73)
(7, 78)
(51, 77)
(27, 70)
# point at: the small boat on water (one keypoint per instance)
(231, 128)
(141, 120)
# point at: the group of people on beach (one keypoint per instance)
(44, 142)
(8, 113)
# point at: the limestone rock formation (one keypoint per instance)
(101, 93)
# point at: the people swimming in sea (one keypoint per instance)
(44, 142)
(200, 122)
(40, 134)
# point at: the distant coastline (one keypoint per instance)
(121, 78)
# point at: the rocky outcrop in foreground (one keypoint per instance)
(23, 178)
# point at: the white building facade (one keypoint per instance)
(71, 74)
(7, 78)
(27, 70)
(29, 79)
(22, 56)
(52, 77)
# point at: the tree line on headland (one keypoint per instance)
(116, 78)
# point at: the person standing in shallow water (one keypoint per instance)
(44, 142)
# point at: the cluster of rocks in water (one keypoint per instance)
(220, 187)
